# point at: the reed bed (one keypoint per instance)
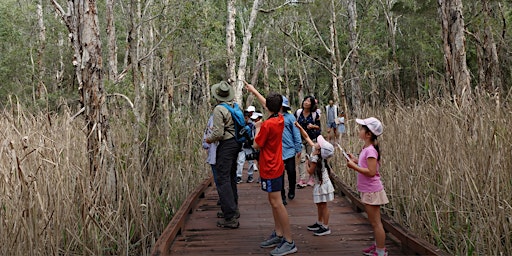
(47, 206)
(448, 173)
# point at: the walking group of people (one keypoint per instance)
(280, 139)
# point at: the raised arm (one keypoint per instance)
(304, 134)
(257, 94)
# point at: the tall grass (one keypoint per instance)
(47, 206)
(448, 173)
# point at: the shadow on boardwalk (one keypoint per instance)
(351, 231)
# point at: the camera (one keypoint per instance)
(255, 155)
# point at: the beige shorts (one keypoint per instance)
(374, 198)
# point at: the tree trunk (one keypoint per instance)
(334, 59)
(354, 59)
(231, 43)
(392, 25)
(81, 19)
(111, 41)
(41, 88)
(452, 25)
(245, 52)
(492, 80)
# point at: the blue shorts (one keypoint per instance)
(331, 125)
(272, 185)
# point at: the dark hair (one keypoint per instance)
(374, 141)
(318, 169)
(313, 103)
(274, 102)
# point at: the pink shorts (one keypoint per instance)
(374, 198)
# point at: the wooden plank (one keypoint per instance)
(163, 244)
(407, 239)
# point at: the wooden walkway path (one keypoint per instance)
(197, 234)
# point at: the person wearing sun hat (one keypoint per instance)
(323, 190)
(369, 182)
(223, 131)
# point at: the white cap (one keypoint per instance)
(326, 148)
(373, 124)
(256, 115)
(251, 109)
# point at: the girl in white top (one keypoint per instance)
(323, 190)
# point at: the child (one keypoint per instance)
(368, 181)
(246, 149)
(292, 143)
(323, 190)
(269, 141)
(340, 121)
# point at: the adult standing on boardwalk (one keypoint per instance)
(309, 118)
(227, 152)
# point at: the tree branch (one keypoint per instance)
(329, 50)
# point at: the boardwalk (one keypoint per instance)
(351, 231)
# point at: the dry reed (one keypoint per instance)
(47, 206)
(447, 171)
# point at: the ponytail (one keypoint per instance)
(374, 141)
(376, 145)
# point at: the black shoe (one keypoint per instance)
(284, 201)
(291, 196)
(220, 214)
(238, 180)
(231, 223)
(250, 179)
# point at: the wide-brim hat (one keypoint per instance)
(223, 91)
(373, 124)
(326, 148)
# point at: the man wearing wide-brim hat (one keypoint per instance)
(227, 152)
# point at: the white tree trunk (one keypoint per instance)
(334, 60)
(245, 52)
(231, 42)
(41, 88)
(354, 58)
(111, 41)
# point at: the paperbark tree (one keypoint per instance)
(111, 41)
(41, 88)
(81, 19)
(354, 58)
(454, 46)
(231, 42)
(245, 52)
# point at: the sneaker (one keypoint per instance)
(238, 180)
(231, 223)
(301, 184)
(284, 201)
(250, 179)
(322, 231)
(291, 196)
(369, 251)
(273, 240)
(220, 214)
(284, 248)
(375, 253)
(314, 227)
(311, 181)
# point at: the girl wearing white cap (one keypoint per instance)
(323, 190)
(368, 181)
